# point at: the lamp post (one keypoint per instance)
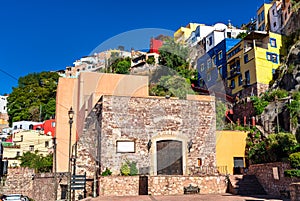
(71, 115)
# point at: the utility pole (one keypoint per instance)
(277, 119)
(54, 167)
(74, 167)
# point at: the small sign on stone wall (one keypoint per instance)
(275, 173)
(125, 146)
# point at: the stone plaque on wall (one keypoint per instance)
(275, 173)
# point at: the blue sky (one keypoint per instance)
(49, 35)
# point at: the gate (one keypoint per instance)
(143, 185)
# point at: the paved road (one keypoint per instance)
(223, 197)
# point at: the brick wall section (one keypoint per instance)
(295, 191)
(264, 174)
(160, 185)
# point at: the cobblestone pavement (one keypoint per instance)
(223, 197)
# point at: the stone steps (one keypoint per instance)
(246, 185)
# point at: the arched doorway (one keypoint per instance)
(169, 157)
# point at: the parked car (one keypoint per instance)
(15, 197)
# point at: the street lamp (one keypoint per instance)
(71, 115)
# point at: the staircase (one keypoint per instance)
(245, 185)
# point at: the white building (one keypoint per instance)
(3, 104)
(197, 35)
(220, 32)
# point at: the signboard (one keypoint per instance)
(125, 146)
(275, 173)
(78, 182)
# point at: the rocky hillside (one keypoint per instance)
(287, 78)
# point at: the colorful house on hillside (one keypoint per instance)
(183, 33)
(252, 62)
(262, 17)
(212, 67)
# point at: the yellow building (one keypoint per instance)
(262, 17)
(183, 33)
(252, 62)
(230, 149)
(23, 142)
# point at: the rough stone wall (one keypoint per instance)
(43, 187)
(174, 185)
(160, 185)
(18, 180)
(119, 185)
(264, 174)
(142, 119)
(295, 191)
(39, 187)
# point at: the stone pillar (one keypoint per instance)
(295, 191)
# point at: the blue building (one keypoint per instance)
(212, 67)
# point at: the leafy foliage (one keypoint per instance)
(121, 65)
(34, 98)
(37, 161)
(150, 60)
(294, 160)
(292, 173)
(274, 148)
(129, 168)
(220, 114)
(242, 35)
(175, 86)
(259, 104)
(107, 172)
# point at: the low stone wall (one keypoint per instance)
(264, 174)
(173, 185)
(295, 191)
(161, 185)
(119, 185)
(40, 187)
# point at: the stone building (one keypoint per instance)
(163, 136)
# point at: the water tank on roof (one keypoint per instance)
(220, 26)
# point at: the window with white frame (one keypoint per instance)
(214, 59)
(202, 67)
(220, 55)
(208, 64)
(31, 147)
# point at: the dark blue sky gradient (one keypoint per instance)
(49, 35)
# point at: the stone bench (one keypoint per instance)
(191, 189)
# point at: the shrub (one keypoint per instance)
(133, 169)
(292, 173)
(107, 172)
(295, 160)
(125, 170)
(129, 168)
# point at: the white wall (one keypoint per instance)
(3, 104)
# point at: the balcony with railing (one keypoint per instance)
(234, 71)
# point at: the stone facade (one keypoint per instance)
(36, 186)
(264, 174)
(174, 185)
(160, 185)
(295, 191)
(144, 120)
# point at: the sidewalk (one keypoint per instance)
(219, 197)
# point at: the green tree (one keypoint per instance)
(220, 114)
(37, 161)
(174, 56)
(150, 60)
(34, 94)
(121, 65)
(175, 86)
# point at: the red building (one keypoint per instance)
(47, 126)
(155, 44)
